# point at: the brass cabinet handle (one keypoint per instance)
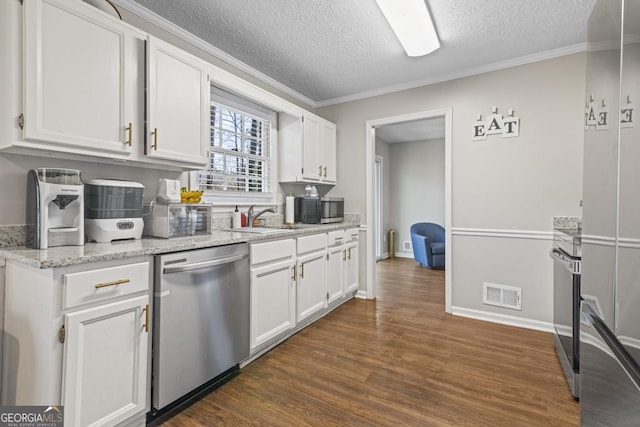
(130, 129)
(344, 254)
(114, 283)
(320, 170)
(302, 271)
(155, 139)
(325, 171)
(349, 256)
(293, 269)
(146, 318)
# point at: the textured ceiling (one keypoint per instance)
(331, 49)
(416, 130)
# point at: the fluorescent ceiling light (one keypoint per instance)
(411, 22)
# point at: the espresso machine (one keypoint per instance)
(55, 208)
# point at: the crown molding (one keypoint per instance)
(196, 41)
(522, 60)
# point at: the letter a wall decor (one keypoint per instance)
(494, 124)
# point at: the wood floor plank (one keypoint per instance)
(398, 360)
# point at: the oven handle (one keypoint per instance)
(573, 265)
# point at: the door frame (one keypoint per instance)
(379, 203)
(370, 250)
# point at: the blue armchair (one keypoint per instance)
(428, 244)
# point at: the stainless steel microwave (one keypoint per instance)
(319, 210)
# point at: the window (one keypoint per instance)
(240, 159)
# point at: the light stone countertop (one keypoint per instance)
(94, 252)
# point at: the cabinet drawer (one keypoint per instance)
(272, 251)
(315, 242)
(104, 283)
(352, 235)
(335, 238)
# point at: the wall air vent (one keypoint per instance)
(502, 296)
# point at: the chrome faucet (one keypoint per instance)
(251, 217)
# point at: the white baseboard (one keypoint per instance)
(503, 319)
(404, 255)
(361, 294)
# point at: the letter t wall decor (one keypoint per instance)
(508, 127)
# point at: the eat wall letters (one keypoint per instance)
(508, 127)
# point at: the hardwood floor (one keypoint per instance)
(398, 360)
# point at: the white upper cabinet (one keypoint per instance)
(307, 149)
(328, 142)
(177, 104)
(80, 78)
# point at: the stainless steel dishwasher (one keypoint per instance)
(201, 320)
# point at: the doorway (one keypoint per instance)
(374, 233)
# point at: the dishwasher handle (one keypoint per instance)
(204, 264)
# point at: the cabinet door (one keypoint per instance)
(311, 292)
(272, 301)
(177, 105)
(329, 152)
(311, 130)
(79, 67)
(351, 267)
(105, 363)
(335, 272)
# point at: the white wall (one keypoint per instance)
(417, 187)
(507, 185)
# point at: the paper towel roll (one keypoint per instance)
(288, 212)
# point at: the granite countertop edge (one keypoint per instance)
(95, 252)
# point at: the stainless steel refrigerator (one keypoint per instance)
(610, 313)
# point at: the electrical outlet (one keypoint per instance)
(407, 245)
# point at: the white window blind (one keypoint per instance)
(240, 153)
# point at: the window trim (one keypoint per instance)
(244, 105)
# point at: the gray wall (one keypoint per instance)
(417, 187)
(504, 191)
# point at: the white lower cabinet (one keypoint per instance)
(351, 267)
(351, 258)
(79, 336)
(336, 258)
(294, 281)
(272, 290)
(105, 363)
(311, 289)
